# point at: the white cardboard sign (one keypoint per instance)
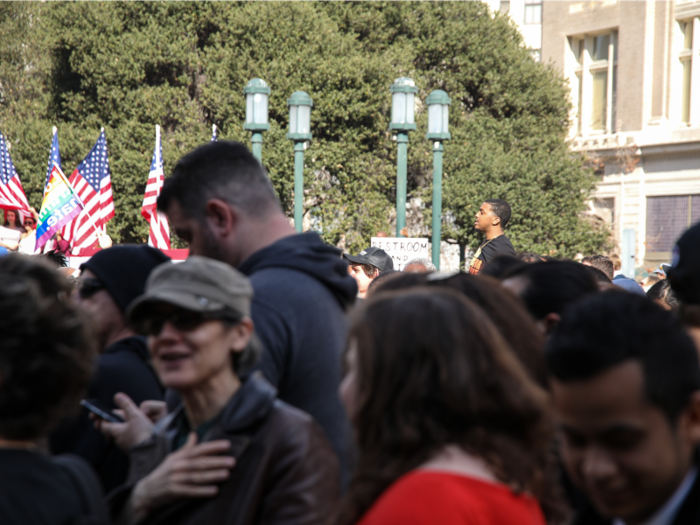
(403, 249)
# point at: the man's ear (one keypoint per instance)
(691, 416)
(549, 322)
(221, 217)
(495, 221)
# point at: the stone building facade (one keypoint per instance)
(634, 72)
(527, 15)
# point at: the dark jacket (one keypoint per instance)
(285, 472)
(688, 513)
(123, 367)
(302, 290)
(38, 490)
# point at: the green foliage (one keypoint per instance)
(127, 66)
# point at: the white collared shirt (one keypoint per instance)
(666, 514)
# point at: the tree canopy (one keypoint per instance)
(127, 66)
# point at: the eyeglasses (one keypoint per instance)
(30, 221)
(182, 320)
(89, 287)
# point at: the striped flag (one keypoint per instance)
(59, 206)
(92, 183)
(12, 195)
(54, 157)
(214, 137)
(159, 236)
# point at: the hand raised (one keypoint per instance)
(191, 472)
(137, 428)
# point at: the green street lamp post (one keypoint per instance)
(300, 104)
(403, 93)
(256, 95)
(438, 130)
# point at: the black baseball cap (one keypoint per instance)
(684, 274)
(372, 256)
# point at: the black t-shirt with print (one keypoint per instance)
(488, 251)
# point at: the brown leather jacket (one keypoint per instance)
(285, 474)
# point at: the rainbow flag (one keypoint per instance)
(60, 205)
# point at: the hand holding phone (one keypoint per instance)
(101, 411)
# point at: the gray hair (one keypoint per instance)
(422, 262)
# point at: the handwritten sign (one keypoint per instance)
(403, 249)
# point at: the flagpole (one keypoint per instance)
(54, 130)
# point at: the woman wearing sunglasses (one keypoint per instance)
(231, 453)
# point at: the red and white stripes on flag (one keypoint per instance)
(92, 182)
(159, 236)
(12, 195)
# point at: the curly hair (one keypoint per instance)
(432, 370)
(46, 352)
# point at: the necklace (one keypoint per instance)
(484, 245)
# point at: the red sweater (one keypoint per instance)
(425, 497)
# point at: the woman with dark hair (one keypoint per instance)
(503, 308)
(46, 359)
(450, 428)
(509, 317)
(11, 230)
(13, 221)
(201, 339)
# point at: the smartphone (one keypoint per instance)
(101, 411)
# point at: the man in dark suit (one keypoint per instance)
(626, 391)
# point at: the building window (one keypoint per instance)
(686, 58)
(605, 209)
(504, 7)
(599, 100)
(667, 218)
(533, 11)
(594, 82)
(536, 55)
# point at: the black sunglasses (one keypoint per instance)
(182, 320)
(89, 287)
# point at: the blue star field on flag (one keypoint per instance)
(96, 165)
(7, 169)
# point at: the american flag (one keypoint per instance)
(159, 236)
(12, 195)
(92, 182)
(54, 157)
(214, 137)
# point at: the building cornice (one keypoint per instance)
(687, 10)
(646, 150)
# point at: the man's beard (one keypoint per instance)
(210, 247)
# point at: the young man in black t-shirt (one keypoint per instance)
(492, 217)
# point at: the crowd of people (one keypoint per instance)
(271, 379)
(18, 234)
